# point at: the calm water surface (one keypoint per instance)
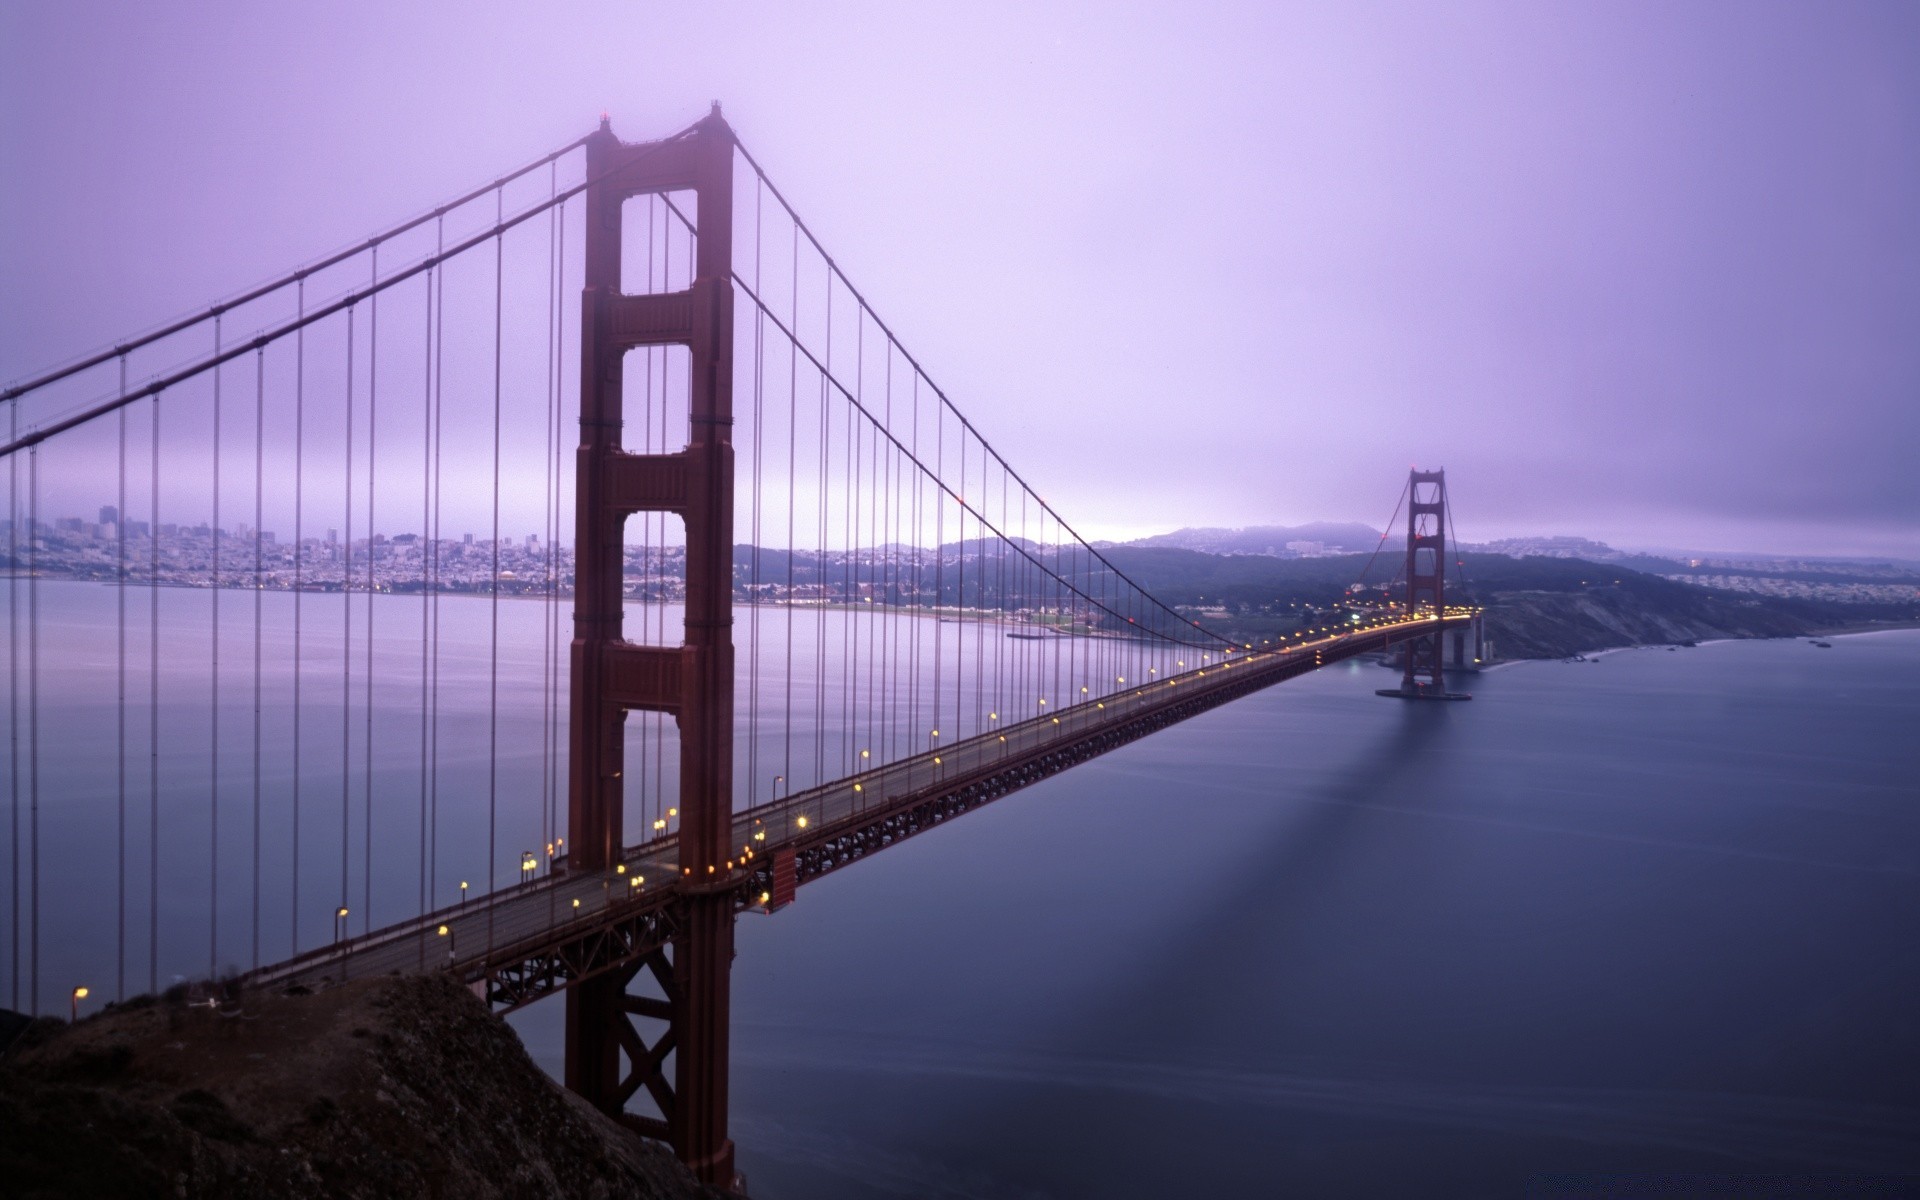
(1656, 913)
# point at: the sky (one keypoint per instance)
(1643, 272)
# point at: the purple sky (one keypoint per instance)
(1644, 272)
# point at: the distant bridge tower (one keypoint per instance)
(692, 681)
(1425, 656)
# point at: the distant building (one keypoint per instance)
(109, 515)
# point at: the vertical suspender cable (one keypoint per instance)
(259, 513)
(120, 714)
(753, 593)
(373, 585)
(553, 538)
(33, 726)
(425, 545)
(433, 721)
(546, 527)
(793, 451)
(13, 703)
(213, 784)
(299, 557)
(153, 712)
(493, 647)
(346, 647)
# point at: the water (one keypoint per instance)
(1657, 913)
(443, 773)
(1652, 914)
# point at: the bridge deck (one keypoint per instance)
(540, 936)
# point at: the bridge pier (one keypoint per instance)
(693, 681)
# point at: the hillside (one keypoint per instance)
(1537, 607)
(399, 1087)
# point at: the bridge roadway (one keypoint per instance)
(526, 941)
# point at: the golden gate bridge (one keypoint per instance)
(814, 612)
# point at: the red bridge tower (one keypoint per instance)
(1425, 656)
(692, 681)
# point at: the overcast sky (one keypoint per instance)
(1643, 272)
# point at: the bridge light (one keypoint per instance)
(673, 812)
(576, 902)
(863, 754)
(637, 881)
(764, 897)
(620, 869)
(936, 758)
(857, 787)
(444, 931)
(803, 821)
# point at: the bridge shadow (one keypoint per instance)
(1186, 979)
(1287, 871)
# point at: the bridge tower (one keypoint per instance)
(1426, 571)
(692, 681)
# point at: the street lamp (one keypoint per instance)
(79, 994)
(526, 864)
(340, 922)
(463, 893)
(447, 933)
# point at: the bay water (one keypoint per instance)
(1656, 913)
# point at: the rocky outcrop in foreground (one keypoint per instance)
(399, 1087)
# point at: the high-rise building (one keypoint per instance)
(109, 515)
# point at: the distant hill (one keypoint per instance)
(1537, 607)
(1330, 537)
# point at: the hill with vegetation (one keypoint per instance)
(1537, 607)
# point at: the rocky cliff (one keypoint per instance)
(400, 1087)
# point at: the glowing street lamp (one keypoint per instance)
(526, 864)
(79, 994)
(447, 933)
(340, 922)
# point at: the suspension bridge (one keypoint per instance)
(813, 612)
